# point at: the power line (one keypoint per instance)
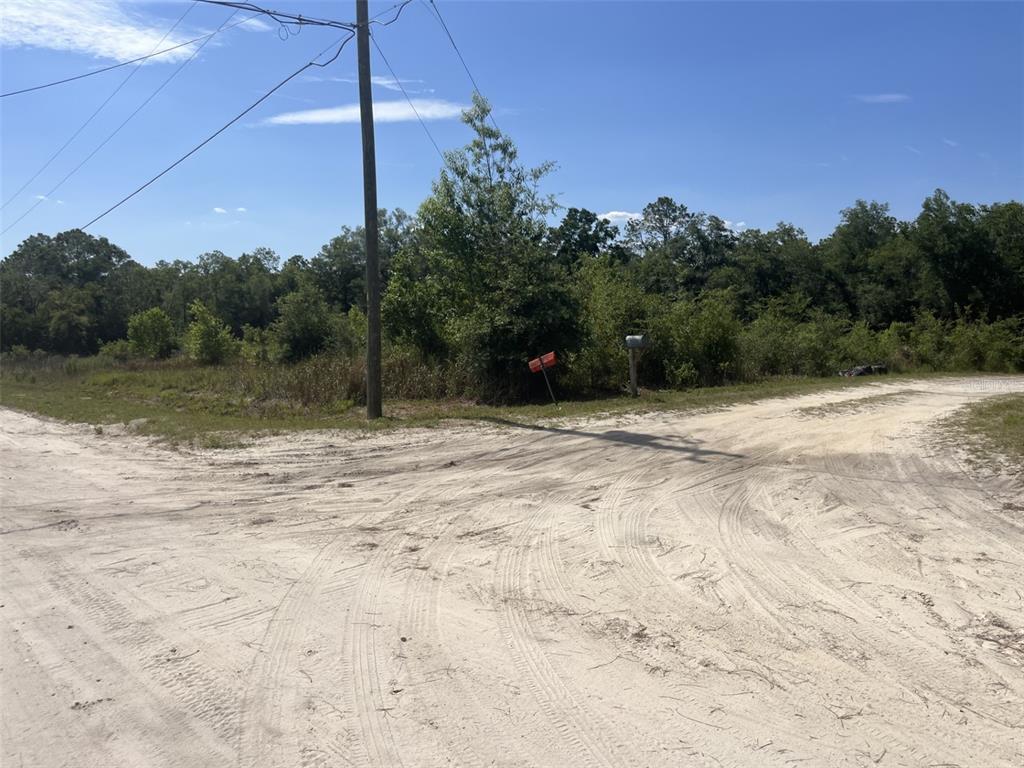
(389, 22)
(312, 63)
(298, 20)
(90, 73)
(98, 110)
(437, 15)
(284, 19)
(411, 104)
(399, 6)
(126, 63)
(125, 122)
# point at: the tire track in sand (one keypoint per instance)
(574, 723)
(196, 689)
(262, 722)
(622, 529)
(774, 584)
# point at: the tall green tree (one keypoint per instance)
(53, 293)
(581, 234)
(339, 269)
(480, 284)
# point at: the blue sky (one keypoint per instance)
(757, 112)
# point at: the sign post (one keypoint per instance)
(542, 364)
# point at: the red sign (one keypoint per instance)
(544, 361)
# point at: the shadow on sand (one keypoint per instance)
(687, 446)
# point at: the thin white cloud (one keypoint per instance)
(915, 150)
(951, 143)
(241, 210)
(618, 217)
(385, 82)
(383, 112)
(41, 197)
(102, 28)
(256, 25)
(882, 98)
(218, 209)
(735, 226)
(388, 83)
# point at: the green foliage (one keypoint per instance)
(769, 344)
(151, 334)
(929, 342)
(483, 279)
(303, 325)
(582, 234)
(611, 306)
(348, 333)
(120, 351)
(478, 286)
(996, 347)
(258, 345)
(702, 340)
(207, 339)
(339, 270)
(70, 329)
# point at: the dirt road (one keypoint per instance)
(811, 581)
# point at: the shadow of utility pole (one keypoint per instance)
(687, 446)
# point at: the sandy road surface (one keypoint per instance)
(800, 582)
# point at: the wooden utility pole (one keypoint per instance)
(373, 395)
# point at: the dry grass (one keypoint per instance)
(216, 405)
(992, 432)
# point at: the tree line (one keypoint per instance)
(478, 280)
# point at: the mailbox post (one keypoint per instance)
(634, 344)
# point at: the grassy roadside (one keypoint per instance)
(189, 403)
(992, 431)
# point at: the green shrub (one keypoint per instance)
(700, 340)
(767, 346)
(19, 353)
(858, 346)
(981, 346)
(610, 308)
(304, 324)
(258, 345)
(929, 342)
(348, 333)
(684, 376)
(894, 347)
(151, 334)
(207, 339)
(120, 351)
(815, 345)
